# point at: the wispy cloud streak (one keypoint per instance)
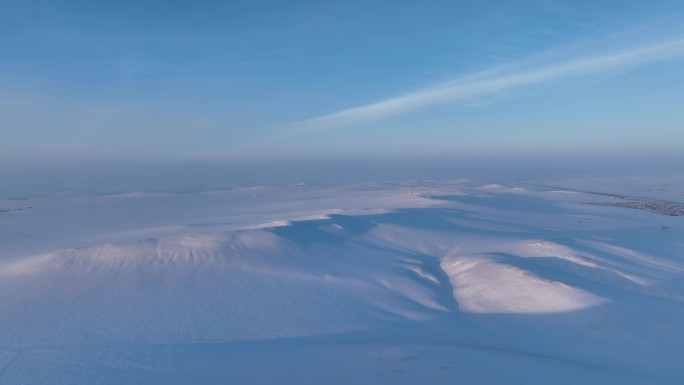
(498, 80)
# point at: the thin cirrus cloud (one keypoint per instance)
(535, 70)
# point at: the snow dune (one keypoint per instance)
(457, 282)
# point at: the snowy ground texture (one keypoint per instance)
(572, 282)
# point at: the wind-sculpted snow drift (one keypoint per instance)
(454, 282)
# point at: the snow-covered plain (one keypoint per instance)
(454, 283)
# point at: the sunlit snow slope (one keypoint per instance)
(457, 282)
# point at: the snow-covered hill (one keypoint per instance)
(450, 282)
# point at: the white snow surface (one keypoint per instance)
(376, 283)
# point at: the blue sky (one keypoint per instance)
(259, 80)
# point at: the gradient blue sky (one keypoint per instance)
(175, 80)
